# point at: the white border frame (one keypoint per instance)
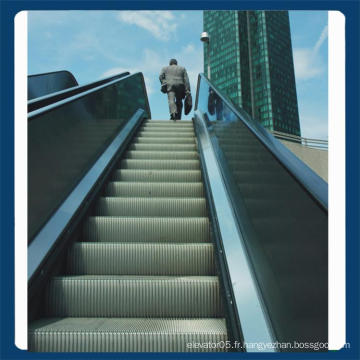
(337, 311)
(337, 276)
(20, 178)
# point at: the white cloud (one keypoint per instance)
(308, 62)
(189, 48)
(161, 24)
(322, 38)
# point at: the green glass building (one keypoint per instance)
(251, 61)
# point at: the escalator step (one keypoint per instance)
(160, 164)
(160, 140)
(142, 276)
(160, 134)
(133, 296)
(143, 207)
(155, 189)
(127, 229)
(168, 123)
(136, 175)
(124, 334)
(167, 129)
(166, 155)
(163, 147)
(141, 259)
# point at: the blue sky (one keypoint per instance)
(95, 44)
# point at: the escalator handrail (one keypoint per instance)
(46, 239)
(56, 72)
(48, 99)
(312, 183)
(36, 113)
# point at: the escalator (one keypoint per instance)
(47, 89)
(162, 236)
(143, 276)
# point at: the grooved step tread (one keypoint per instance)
(147, 229)
(143, 278)
(141, 259)
(171, 122)
(167, 129)
(171, 134)
(166, 155)
(155, 189)
(124, 334)
(133, 296)
(167, 207)
(163, 147)
(139, 175)
(160, 164)
(164, 140)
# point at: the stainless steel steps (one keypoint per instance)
(156, 229)
(125, 334)
(143, 276)
(139, 175)
(133, 296)
(94, 258)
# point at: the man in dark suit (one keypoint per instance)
(175, 80)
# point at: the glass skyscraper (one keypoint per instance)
(251, 61)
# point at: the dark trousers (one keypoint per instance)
(175, 99)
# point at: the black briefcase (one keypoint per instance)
(164, 88)
(188, 103)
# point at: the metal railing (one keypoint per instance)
(311, 143)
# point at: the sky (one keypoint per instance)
(96, 44)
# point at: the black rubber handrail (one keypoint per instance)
(56, 72)
(312, 183)
(34, 114)
(49, 99)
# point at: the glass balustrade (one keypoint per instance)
(281, 208)
(66, 138)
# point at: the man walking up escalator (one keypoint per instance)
(175, 82)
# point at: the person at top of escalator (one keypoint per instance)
(175, 82)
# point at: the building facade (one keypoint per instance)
(251, 61)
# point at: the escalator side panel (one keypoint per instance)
(283, 222)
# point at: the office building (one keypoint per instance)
(251, 61)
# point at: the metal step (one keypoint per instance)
(135, 175)
(170, 134)
(140, 229)
(145, 207)
(144, 164)
(125, 334)
(195, 259)
(164, 140)
(163, 147)
(133, 296)
(169, 123)
(158, 155)
(142, 276)
(155, 189)
(186, 129)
